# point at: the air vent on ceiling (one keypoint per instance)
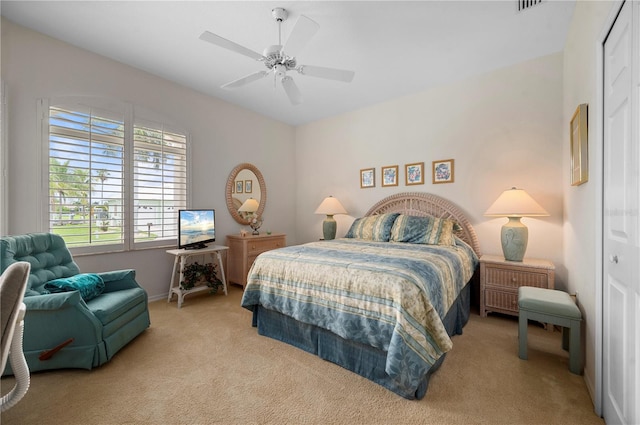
(527, 4)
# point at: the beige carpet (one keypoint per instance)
(205, 364)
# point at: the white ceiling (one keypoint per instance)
(395, 48)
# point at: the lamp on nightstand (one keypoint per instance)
(514, 204)
(330, 206)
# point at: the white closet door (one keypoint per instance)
(621, 253)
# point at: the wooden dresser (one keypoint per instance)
(500, 280)
(244, 249)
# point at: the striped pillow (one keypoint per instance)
(375, 228)
(423, 230)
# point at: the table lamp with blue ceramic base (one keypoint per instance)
(330, 206)
(514, 235)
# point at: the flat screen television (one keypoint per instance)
(196, 228)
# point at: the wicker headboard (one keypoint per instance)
(423, 204)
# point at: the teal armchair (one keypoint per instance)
(69, 329)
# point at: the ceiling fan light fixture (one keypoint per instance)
(280, 57)
(280, 70)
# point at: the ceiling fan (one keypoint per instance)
(280, 58)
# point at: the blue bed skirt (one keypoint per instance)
(362, 359)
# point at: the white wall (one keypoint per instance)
(4, 174)
(503, 129)
(581, 202)
(35, 66)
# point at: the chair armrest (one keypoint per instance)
(54, 301)
(119, 279)
(53, 318)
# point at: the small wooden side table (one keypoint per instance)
(181, 256)
(243, 250)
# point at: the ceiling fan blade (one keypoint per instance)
(245, 80)
(230, 45)
(329, 73)
(302, 32)
(292, 90)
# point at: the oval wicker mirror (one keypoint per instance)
(245, 181)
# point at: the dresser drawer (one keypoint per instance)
(501, 300)
(516, 278)
(259, 246)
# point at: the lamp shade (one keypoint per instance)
(330, 206)
(250, 205)
(515, 203)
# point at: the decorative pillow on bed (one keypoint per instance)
(375, 228)
(423, 230)
(90, 285)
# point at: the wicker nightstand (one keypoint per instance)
(500, 280)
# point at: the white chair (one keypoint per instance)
(13, 283)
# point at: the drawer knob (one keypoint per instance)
(513, 279)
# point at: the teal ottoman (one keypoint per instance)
(553, 307)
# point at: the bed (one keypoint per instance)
(378, 302)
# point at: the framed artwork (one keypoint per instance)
(367, 178)
(248, 186)
(239, 186)
(579, 146)
(390, 175)
(443, 171)
(414, 173)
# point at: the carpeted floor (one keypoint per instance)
(205, 364)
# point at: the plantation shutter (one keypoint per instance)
(86, 160)
(159, 181)
(115, 180)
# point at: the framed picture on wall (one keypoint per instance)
(390, 175)
(367, 178)
(414, 173)
(443, 171)
(248, 186)
(239, 186)
(579, 146)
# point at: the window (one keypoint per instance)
(112, 185)
(160, 182)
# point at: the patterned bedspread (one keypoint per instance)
(391, 296)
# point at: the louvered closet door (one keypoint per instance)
(621, 224)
